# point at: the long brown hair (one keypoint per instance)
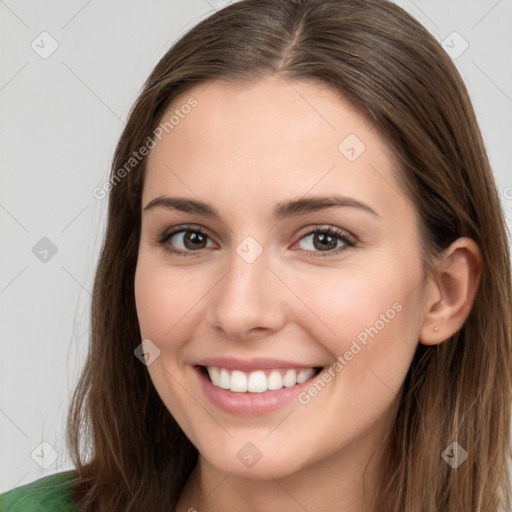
(129, 452)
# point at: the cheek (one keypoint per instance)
(376, 332)
(345, 303)
(369, 321)
(165, 301)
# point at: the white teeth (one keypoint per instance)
(238, 382)
(257, 381)
(290, 379)
(214, 374)
(223, 380)
(305, 375)
(274, 381)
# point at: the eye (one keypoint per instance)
(328, 240)
(184, 240)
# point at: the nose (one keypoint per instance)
(249, 301)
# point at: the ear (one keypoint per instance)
(452, 288)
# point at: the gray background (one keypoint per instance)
(60, 118)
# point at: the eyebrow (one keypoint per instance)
(282, 209)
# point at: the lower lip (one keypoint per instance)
(250, 404)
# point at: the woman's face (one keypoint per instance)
(243, 184)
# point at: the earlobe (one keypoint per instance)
(454, 284)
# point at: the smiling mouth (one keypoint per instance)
(258, 381)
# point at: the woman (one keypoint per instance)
(303, 297)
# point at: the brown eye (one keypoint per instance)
(185, 240)
(193, 240)
(328, 240)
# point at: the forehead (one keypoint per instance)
(271, 111)
(271, 136)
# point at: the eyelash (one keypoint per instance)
(347, 239)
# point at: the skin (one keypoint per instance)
(243, 149)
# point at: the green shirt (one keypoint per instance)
(53, 493)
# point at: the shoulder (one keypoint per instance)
(53, 493)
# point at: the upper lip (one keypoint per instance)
(248, 365)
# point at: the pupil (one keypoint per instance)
(194, 238)
(326, 242)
